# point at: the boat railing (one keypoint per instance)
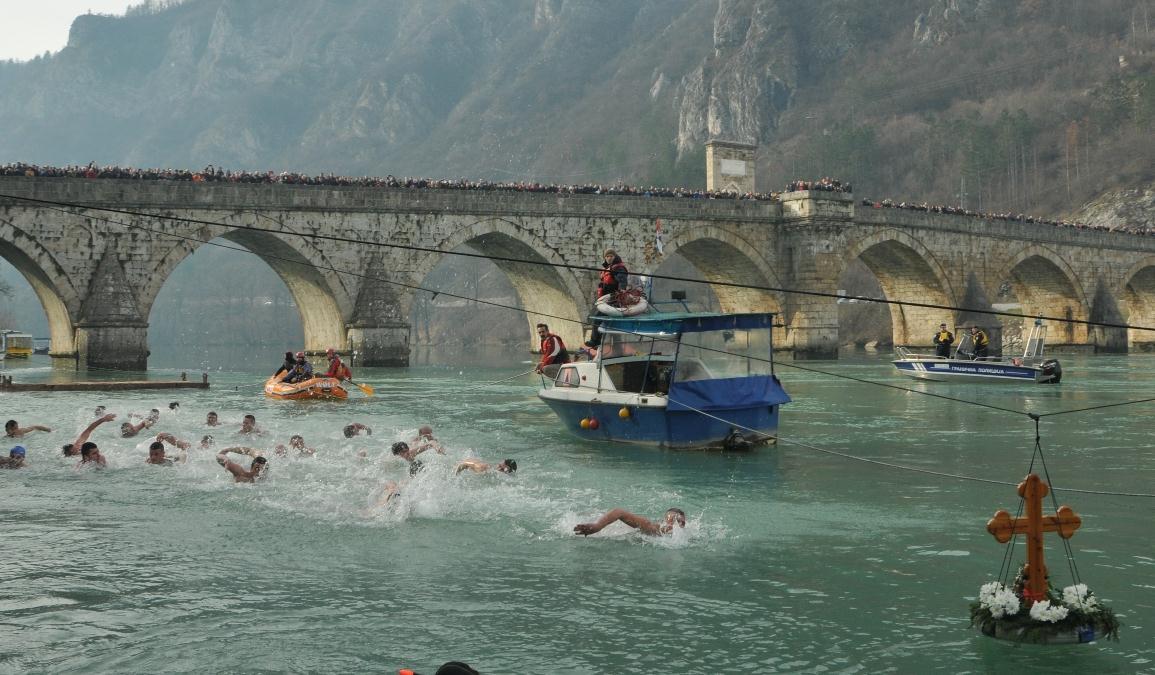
(907, 353)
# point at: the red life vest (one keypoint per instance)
(608, 274)
(549, 345)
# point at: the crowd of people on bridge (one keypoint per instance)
(214, 174)
(998, 215)
(825, 184)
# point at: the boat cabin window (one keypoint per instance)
(567, 376)
(723, 354)
(617, 345)
(643, 376)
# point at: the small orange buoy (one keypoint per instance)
(594, 423)
(585, 423)
(624, 413)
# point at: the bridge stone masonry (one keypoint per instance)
(98, 280)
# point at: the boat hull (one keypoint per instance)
(954, 370)
(659, 427)
(315, 389)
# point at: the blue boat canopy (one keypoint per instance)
(676, 323)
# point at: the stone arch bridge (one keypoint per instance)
(98, 280)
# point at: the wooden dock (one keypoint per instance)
(6, 384)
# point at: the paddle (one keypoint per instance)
(363, 387)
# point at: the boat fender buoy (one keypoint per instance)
(624, 413)
(585, 423)
(594, 423)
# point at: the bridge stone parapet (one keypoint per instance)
(98, 274)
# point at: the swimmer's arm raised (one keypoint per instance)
(172, 440)
(632, 519)
(83, 437)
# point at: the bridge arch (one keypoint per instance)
(907, 271)
(53, 287)
(548, 291)
(723, 257)
(1045, 284)
(321, 298)
(1138, 295)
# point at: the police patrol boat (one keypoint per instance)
(962, 367)
(674, 379)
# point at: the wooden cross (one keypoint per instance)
(1003, 527)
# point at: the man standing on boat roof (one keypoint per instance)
(943, 339)
(981, 342)
(614, 278)
(553, 351)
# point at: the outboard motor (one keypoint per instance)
(736, 441)
(1052, 372)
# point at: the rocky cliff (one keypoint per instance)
(944, 100)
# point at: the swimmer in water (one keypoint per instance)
(156, 455)
(212, 420)
(401, 449)
(249, 425)
(128, 429)
(296, 442)
(424, 440)
(507, 466)
(389, 491)
(183, 446)
(673, 517)
(90, 457)
(257, 468)
(356, 428)
(14, 430)
(15, 458)
(73, 449)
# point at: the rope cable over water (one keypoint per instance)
(891, 465)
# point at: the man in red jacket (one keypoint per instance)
(553, 351)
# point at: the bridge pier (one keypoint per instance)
(113, 346)
(384, 346)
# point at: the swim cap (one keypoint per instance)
(511, 465)
(17, 451)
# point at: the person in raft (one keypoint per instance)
(673, 517)
(337, 369)
(302, 370)
(287, 366)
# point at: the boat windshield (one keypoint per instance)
(723, 354)
(617, 345)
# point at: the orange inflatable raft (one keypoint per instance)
(317, 388)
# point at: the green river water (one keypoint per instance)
(793, 560)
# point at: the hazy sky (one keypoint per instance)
(31, 27)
